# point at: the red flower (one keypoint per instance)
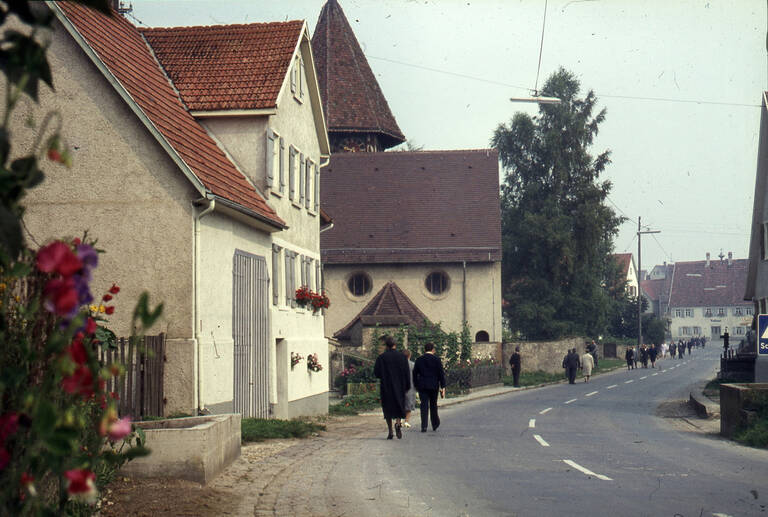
(54, 155)
(106, 297)
(90, 326)
(114, 289)
(9, 424)
(80, 382)
(77, 350)
(76, 241)
(58, 257)
(109, 309)
(81, 483)
(27, 482)
(61, 296)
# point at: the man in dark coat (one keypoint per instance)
(652, 353)
(571, 363)
(429, 378)
(392, 368)
(629, 355)
(515, 363)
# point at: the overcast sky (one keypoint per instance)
(449, 67)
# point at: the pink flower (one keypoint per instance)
(119, 429)
(80, 484)
(58, 257)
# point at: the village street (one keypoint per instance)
(608, 447)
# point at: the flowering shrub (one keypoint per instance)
(313, 363)
(306, 297)
(61, 437)
(295, 359)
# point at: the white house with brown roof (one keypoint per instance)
(197, 162)
(628, 270)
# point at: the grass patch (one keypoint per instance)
(608, 364)
(260, 429)
(354, 404)
(756, 435)
(175, 415)
(534, 378)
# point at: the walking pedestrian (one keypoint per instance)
(629, 356)
(644, 356)
(672, 349)
(592, 349)
(410, 395)
(391, 368)
(429, 376)
(587, 363)
(571, 364)
(515, 363)
(652, 353)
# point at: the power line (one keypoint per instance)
(662, 247)
(610, 96)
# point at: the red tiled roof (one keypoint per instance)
(352, 98)
(697, 285)
(121, 48)
(227, 67)
(390, 306)
(653, 288)
(624, 260)
(424, 206)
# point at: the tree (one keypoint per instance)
(654, 329)
(557, 232)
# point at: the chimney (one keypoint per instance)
(707, 259)
(730, 257)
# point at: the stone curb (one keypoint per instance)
(703, 406)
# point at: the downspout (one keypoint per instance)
(464, 293)
(195, 308)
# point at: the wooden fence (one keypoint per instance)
(140, 390)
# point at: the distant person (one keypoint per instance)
(429, 376)
(587, 363)
(653, 352)
(410, 395)
(672, 349)
(664, 350)
(392, 368)
(636, 355)
(690, 345)
(515, 363)
(629, 356)
(571, 364)
(644, 356)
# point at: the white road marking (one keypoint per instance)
(654, 374)
(586, 471)
(545, 411)
(611, 386)
(643, 378)
(627, 382)
(590, 394)
(572, 400)
(721, 515)
(532, 423)
(540, 440)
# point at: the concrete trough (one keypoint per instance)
(195, 448)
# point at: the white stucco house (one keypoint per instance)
(197, 155)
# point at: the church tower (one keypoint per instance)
(356, 112)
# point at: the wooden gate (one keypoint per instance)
(250, 331)
(140, 391)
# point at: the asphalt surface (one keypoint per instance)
(594, 448)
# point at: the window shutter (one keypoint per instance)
(303, 261)
(288, 292)
(300, 78)
(293, 76)
(275, 274)
(308, 179)
(302, 166)
(309, 274)
(317, 188)
(293, 278)
(291, 172)
(269, 152)
(281, 164)
(318, 282)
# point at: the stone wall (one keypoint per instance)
(544, 355)
(735, 406)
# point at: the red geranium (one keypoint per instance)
(80, 483)
(61, 296)
(58, 257)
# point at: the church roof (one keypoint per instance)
(227, 67)
(352, 98)
(406, 207)
(390, 306)
(124, 57)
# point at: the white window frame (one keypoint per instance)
(689, 313)
(678, 313)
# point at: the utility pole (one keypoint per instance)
(640, 233)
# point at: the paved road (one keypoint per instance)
(587, 449)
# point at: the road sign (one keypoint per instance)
(762, 334)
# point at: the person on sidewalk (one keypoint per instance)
(587, 363)
(392, 368)
(652, 353)
(429, 377)
(515, 363)
(410, 395)
(571, 364)
(629, 356)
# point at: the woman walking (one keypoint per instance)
(392, 368)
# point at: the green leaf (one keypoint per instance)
(11, 238)
(27, 171)
(141, 437)
(5, 144)
(24, 62)
(20, 269)
(105, 336)
(137, 452)
(45, 419)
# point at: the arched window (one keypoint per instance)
(481, 337)
(359, 284)
(437, 282)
